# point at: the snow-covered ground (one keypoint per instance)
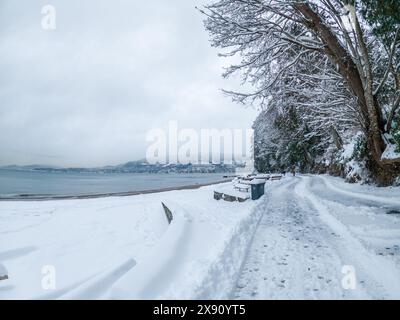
(308, 237)
(122, 247)
(320, 238)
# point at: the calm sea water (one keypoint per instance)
(13, 183)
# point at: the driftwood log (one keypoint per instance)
(3, 272)
(168, 213)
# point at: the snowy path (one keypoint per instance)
(311, 228)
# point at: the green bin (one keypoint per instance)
(257, 189)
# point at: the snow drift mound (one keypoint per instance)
(198, 257)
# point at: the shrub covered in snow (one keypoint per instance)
(353, 157)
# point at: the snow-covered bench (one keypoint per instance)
(242, 187)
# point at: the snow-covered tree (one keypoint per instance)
(324, 51)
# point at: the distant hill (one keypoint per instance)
(29, 167)
(140, 166)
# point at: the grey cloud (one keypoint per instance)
(87, 93)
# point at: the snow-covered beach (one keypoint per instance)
(122, 247)
(295, 242)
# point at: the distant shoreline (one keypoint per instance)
(107, 195)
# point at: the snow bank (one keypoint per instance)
(388, 195)
(217, 283)
(199, 257)
(154, 272)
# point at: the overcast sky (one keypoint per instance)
(86, 93)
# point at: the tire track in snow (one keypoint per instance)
(98, 286)
(381, 278)
(290, 256)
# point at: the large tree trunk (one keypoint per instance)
(368, 106)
